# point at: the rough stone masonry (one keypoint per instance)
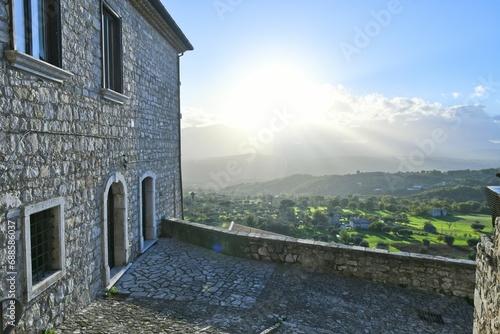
(486, 301)
(64, 146)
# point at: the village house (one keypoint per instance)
(439, 212)
(360, 223)
(89, 146)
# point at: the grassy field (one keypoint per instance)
(458, 226)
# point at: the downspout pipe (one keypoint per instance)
(179, 131)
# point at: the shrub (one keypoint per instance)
(449, 240)
(426, 242)
(357, 239)
(382, 245)
(376, 226)
(395, 229)
(364, 243)
(477, 226)
(472, 255)
(386, 229)
(472, 242)
(424, 250)
(405, 233)
(428, 227)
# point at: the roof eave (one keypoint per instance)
(156, 14)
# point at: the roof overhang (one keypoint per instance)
(156, 14)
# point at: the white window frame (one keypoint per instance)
(112, 56)
(59, 264)
(18, 56)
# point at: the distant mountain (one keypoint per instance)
(429, 184)
(218, 156)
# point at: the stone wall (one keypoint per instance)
(486, 299)
(414, 271)
(66, 141)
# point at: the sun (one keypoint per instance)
(258, 93)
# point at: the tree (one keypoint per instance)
(428, 227)
(472, 242)
(319, 217)
(382, 245)
(376, 226)
(344, 236)
(344, 202)
(405, 232)
(287, 203)
(449, 240)
(364, 243)
(477, 226)
(192, 194)
(252, 220)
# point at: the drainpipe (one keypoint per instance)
(179, 131)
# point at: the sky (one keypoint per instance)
(339, 62)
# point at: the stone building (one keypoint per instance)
(89, 146)
(487, 293)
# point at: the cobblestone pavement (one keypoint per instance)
(180, 288)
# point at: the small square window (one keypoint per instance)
(44, 245)
(112, 50)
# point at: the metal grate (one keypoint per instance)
(41, 241)
(493, 197)
(434, 318)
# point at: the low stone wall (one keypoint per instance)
(415, 271)
(486, 299)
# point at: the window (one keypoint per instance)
(44, 245)
(36, 39)
(37, 29)
(41, 227)
(112, 50)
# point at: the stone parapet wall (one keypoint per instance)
(414, 271)
(486, 299)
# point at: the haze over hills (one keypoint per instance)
(219, 156)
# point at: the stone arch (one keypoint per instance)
(115, 246)
(147, 210)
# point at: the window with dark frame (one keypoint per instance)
(112, 50)
(41, 230)
(37, 29)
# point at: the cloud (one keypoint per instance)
(352, 116)
(456, 95)
(192, 117)
(480, 91)
(347, 108)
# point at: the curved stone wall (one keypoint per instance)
(415, 271)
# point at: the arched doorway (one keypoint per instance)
(147, 211)
(114, 226)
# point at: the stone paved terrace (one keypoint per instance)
(180, 288)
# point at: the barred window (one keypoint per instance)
(44, 245)
(41, 227)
